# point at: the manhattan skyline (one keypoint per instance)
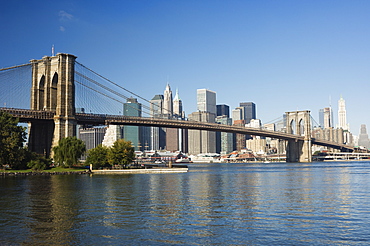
(281, 55)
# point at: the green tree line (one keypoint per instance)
(121, 153)
(13, 155)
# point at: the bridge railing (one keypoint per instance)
(186, 124)
(29, 114)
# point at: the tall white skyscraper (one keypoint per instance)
(177, 106)
(342, 114)
(203, 141)
(168, 101)
(206, 101)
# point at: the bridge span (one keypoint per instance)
(26, 115)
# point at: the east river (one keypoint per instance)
(213, 204)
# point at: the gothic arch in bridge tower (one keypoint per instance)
(53, 89)
(301, 128)
(41, 93)
(292, 126)
(299, 123)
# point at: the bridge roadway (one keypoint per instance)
(26, 115)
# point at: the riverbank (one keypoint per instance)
(149, 168)
(141, 170)
(32, 173)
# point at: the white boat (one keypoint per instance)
(183, 160)
(206, 158)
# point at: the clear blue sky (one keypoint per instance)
(281, 55)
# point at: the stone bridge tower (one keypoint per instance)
(52, 89)
(299, 122)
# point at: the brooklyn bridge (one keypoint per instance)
(45, 94)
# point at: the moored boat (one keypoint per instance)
(183, 160)
(206, 158)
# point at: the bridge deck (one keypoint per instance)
(26, 115)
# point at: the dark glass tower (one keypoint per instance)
(132, 133)
(363, 139)
(222, 110)
(249, 111)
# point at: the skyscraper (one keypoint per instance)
(224, 140)
(342, 114)
(132, 133)
(168, 102)
(248, 114)
(177, 106)
(363, 139)
(206, 101)
(176, 139)
(326, 118)
(239, 138)
(92, 136)
(237, 113)
(201, 141)
(157, 135)
(249, 111)
(223, 109)
(156, 106)
(112, 134)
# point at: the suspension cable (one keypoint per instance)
(106, 88)
(142, 111)
(314, 121)
(7, 68)
(280, 118)
(120, 86)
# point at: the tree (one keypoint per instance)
(98, 156)
(38, 162)
(68, 151)
(12, 138)
(24, 156)
(121, 153)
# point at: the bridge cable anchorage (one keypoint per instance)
(17, 66)
(109, 96)
(142, 98)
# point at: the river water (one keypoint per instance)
(213, 204)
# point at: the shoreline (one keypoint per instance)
(140, 170)
(97, 171)
(34, 173)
